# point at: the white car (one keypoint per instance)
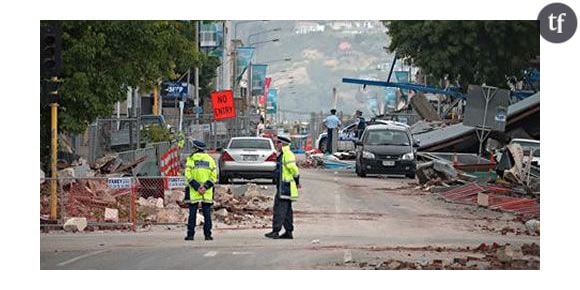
(248, 158)
(530, 147)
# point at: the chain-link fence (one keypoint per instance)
(115, 201)
(113, 135)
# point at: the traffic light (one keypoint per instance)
(50, 50)
(49, 90)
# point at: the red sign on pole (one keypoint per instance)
(223, 105)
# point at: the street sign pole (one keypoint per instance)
(483, 132)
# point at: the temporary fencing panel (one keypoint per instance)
(169, 162)
(116, 201)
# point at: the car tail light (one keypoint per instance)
(227, 157)
(272, 158)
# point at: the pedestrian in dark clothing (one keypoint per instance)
(360, 127)
(331, 123)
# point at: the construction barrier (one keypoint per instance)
(169, 162)
(115, 201)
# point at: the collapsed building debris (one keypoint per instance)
(315, 159)
(495, 198)
(251, 207)
(469, 179)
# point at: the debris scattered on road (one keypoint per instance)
(251, 207)
(533, 226)
(495, 199)
(484, 256)
(75, 224)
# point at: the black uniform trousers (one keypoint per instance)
(283, 215)
(329, 141)
(191, 220)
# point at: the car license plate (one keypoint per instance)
(250, 157)
(388, 163)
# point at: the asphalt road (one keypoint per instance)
(339, 219)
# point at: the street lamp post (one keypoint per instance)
(250, 85)
(243, 22)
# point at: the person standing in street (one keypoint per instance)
(286, 191)
(260, 128)
(361, 125)
(331, 123)
(200, 175)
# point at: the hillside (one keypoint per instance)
(320, 60)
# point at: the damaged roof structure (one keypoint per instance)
(523, 120)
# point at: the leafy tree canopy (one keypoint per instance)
(467, 51)
(101, 59)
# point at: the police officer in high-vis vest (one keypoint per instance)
(201, 175)
(180, 140)
(287, 191)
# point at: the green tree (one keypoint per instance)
(101, 59)
(208, 73)
(467, 51)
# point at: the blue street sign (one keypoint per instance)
(174, 90)
(198, 110)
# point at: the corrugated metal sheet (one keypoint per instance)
(448, 133)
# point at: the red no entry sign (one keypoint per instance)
(223, 105)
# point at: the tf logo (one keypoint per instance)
(557, 22)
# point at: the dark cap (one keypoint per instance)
(284, 140)
(198, 144)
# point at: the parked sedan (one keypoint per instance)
(248, 158)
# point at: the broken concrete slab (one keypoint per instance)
(111, 215)
(505, 254)
(239, 191)
(76, 224)
(159, 202)
(533, 226)
(445, 168)
(66, 176)
(83, 169)
(199, 220)
(165, 215)
(223, 213)
(394, 265)
(142, 202)
(171, 196)
(482, 199)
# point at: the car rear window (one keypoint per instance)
(250, 144)
(386, 137)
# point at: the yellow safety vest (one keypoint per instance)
(288, 189)
(180, 140)
(200, 168)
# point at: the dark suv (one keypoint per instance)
(386, 149)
